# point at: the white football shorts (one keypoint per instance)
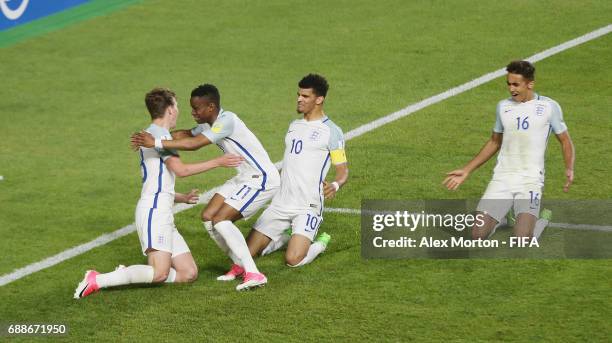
(275, 220)
(246, 198)
(502, 195)
(156, 230)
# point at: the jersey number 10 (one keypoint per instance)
(296, 146)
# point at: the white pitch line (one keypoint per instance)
(80, 249)
(586, 227)
(53, 260)
(472, 84)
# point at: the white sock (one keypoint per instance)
(171, 276)
(502, 222)
(217, 238)
(539, 227)
(124, 276)
(315, 249)
(237, 244)
(274, 246)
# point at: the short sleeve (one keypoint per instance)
(221, 128)
(336, 145)
(499, 127)
(556, 118)
(197, 130)
(166, 154)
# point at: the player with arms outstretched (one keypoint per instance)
(169, 257)
(523, 124)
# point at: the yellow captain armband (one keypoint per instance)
(338, 156)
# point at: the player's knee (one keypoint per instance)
(191, 274)
(293, 259)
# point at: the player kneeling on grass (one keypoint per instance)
(312, 144)
(524, 123)
(169, 258)
(241, 196)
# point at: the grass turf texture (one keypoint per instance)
(74, 95)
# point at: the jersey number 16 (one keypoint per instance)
(522, 124)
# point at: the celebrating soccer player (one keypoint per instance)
(523, 124)
(169, 258)
(240, 197)
(312, 144)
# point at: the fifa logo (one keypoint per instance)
(13, 14)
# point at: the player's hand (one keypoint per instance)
(455, 178)
(142, 139)
(229, 160)
(569, 174)
(329, 191)
(190, 198)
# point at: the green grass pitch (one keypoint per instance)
(72, 96)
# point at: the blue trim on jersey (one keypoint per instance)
(265, 176)
(326, 119)
(144, 167)
(250, 201)
(321, 181)
(149, 228)
(159, 186)
(548, 135)
(159, 182)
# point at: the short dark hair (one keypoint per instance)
(316, 82)
(524, 68)
(158, 100)
(208, 91)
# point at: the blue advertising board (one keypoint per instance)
(17, 12)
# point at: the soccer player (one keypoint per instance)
(169, 258)
(523, 124)
(312, 144)
(240, 197)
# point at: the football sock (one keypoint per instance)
(315, 249)
(171, 276)
(275, 245)
(124, 276)
(217, 238)
(237, 244)
(539, 227)
(502, 222)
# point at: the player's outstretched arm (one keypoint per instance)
(331, 188)
(569, 156)
(190, 198)
(181, 169)
(455, 178)
(145, 139)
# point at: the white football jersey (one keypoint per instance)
(309, 146)
(231, 135)
(526, 127)
(157, 180)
